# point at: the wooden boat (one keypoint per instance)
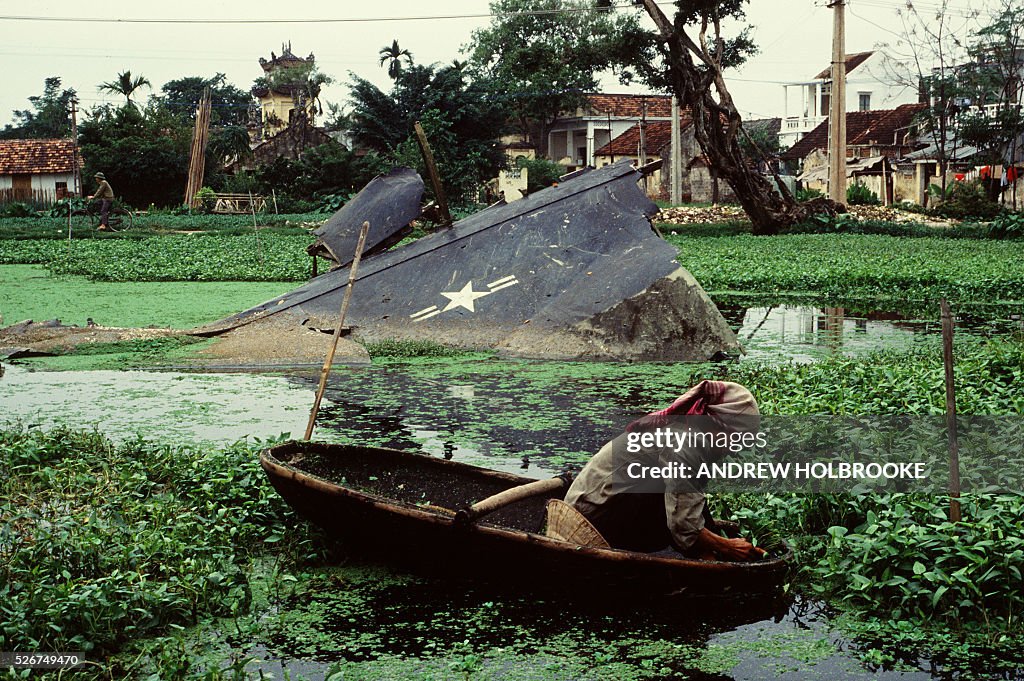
(402, 505)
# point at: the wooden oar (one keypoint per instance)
(507, 497)
(337, 332)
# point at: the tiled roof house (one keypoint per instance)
(36, 170)
(574, 139)
(889, 132)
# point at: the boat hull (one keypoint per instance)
(507, 547)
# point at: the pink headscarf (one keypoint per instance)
(718, 399)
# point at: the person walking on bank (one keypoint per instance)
(106, 197)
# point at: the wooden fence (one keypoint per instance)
(37, 198)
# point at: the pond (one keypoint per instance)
(532, 418)
(774, 331)
(528, 417)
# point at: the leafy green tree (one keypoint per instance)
(543, 56)
(143, 153)
(394, 55)
(462, 120)
(540, 173)
(125, 85)
(326, 169)
(338, 120)
(49, 117)
(229, 105)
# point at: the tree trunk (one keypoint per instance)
(717, 124)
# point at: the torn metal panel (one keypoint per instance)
(574, 270)
(388, 202)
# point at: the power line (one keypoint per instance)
(962, 12)
(344, 20)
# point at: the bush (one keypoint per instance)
(61, 208)
(241, 182)
(803, 195)
(17, 210)
(207, 199)
(540, 173)
(1007, 226)
(332, 203)
(290, 204)
(967, 200)
(860, 195)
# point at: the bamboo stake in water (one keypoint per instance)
(954, 445)
(255, 230)
(337, 331)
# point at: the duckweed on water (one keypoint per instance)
(29, 292)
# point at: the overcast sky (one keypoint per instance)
(794, 35)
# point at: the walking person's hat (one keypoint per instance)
(100, 176)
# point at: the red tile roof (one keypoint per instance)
(657, 134)
(852, 61)
(631, 106)
(886, 127)
(36, 157)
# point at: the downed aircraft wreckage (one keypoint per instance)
(572, 271)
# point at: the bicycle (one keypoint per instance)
(118, 219)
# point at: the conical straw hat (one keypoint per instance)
(567, 524)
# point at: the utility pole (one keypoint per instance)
(643, 140)
(677, 185)
(75, 170)
(837, 106)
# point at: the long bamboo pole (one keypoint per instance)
(197, 158)
(337, 331)
(954, 445)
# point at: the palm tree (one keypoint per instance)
(125, 85)
(394, 55)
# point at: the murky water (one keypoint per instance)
(533, 418)
(162, 406)
(803, 333)
(528, 417)
(388, 626)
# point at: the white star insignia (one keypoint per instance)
(463, 298)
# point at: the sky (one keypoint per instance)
(202, 37)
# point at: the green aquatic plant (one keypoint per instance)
(105, 544)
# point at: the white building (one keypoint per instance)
(806, 103)
(573, 139)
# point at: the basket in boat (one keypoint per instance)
(567, 524)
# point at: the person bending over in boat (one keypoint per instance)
(648, 515)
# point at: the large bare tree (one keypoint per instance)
(928, 55)
(696, 55)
